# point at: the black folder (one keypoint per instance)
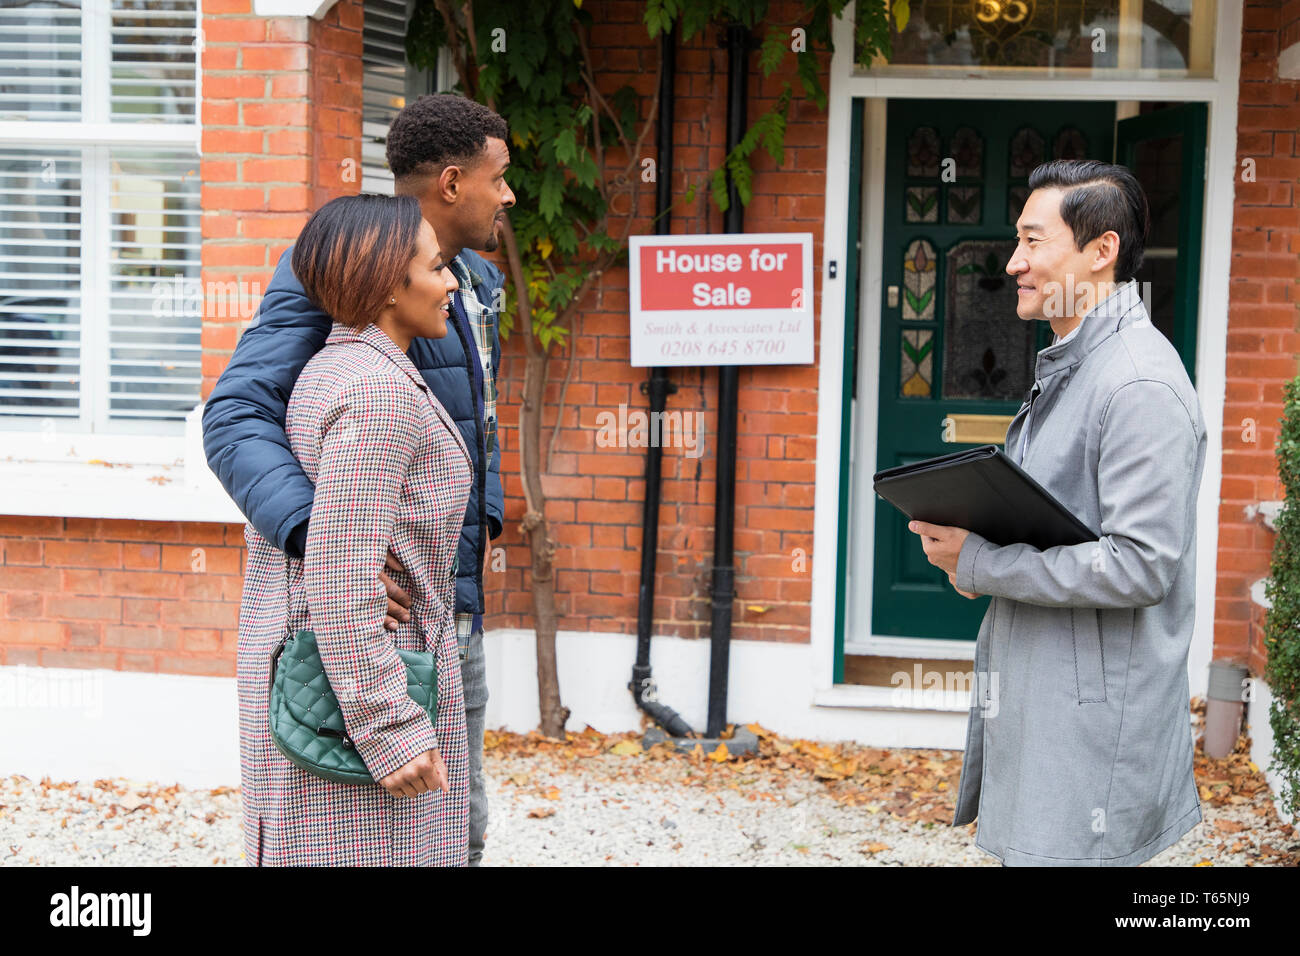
(984, 491)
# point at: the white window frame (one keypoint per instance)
(75, 473)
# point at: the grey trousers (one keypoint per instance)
(473, 677)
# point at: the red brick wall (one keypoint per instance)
(1289, 20)
(1262, 338)
(281, 111)
(126, 595)
(335, 104)
(595, 494)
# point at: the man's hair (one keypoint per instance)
(354, 251)
(1100, 197)
(440, 130)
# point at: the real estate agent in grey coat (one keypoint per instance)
(1079, 745)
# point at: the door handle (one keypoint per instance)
(966, 429)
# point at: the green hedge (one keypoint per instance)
(1282, 633)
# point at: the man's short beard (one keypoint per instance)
(490, 244)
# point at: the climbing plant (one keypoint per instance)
(531, 63)
(1282, 629)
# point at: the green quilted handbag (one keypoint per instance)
(306, 722)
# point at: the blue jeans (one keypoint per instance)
(473, 676)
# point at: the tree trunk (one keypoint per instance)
(545, 618)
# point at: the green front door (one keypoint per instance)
(955, 360)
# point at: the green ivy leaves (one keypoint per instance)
(1282, 627)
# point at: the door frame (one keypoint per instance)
(830, 585)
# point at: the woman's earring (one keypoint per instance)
(392, 302)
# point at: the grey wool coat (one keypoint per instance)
(1079, 744)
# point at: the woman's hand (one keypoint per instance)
(398, 600)
(426, 772)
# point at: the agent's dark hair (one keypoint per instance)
(354, 251)
(440, 130)
(1100, 197)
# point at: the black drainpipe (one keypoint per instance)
(658, 388)
(724, 514)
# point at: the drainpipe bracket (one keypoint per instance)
(669, 387)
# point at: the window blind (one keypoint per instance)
(388, 83)
(100, 306)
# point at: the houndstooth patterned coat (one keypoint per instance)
(390, 469)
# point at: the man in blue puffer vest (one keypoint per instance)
(450, 153)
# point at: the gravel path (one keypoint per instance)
(599, 806)
(598, 817)
(117, 822)
(543, 814)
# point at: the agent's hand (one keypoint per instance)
(420, 775)
(942, 546)
(398, 600)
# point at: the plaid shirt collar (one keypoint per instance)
(467, 278)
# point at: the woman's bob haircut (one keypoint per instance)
(354, 251)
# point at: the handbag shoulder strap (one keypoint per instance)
(294, 604)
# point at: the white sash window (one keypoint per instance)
(100, 311)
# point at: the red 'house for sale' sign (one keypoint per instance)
(722, 299)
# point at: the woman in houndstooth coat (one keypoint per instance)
(391, 472)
